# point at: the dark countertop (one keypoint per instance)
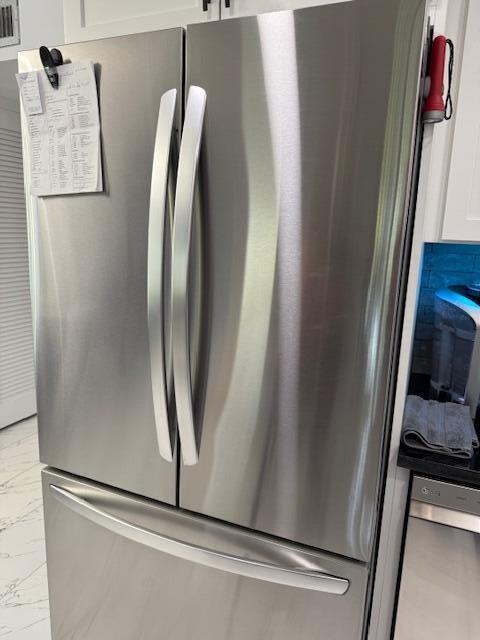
(441, 467)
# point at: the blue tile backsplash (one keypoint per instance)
(443, 265)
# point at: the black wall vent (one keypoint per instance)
(9, 30)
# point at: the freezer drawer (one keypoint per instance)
(125, 568)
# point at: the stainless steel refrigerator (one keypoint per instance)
(216, 330)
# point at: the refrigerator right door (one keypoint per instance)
(304, 177)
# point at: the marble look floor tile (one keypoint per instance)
(32, 590)
(22, 549)
(17, 432)
(18, 457)
(20, 495)
(39, 630)
(25, 610)
(24, 613)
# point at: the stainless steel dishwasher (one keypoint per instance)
(440, 585)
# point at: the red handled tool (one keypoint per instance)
(435, 109)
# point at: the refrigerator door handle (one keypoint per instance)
(286, 575)
(156, 235)
(182, 225)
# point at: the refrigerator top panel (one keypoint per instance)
(95, 408)
(303, 196)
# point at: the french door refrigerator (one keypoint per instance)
(216, 329)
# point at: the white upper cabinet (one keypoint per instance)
(92, 19)
(239, 8)
(461, 220)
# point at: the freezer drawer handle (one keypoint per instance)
(156, 233)
(182, 226)
(289, 576)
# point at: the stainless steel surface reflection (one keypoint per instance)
(305, 171)
(105, 585)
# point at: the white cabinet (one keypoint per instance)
(252, 7)
(461, 219)
(449, 189)
(92, 19)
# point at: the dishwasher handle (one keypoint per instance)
(445, 516)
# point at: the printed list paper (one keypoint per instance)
(64, 130)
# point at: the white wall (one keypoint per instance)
(41, 22)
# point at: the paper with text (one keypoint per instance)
(64, 130)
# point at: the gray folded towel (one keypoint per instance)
(441, 427)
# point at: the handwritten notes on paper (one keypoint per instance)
(30, 92)
(64, 130)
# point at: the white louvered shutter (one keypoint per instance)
(17, 378)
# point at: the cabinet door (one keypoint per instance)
(89, 19)
(462, 206)
(239, 8)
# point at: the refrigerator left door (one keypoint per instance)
(97, 350)
(122, 568)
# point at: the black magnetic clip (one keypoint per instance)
(51, 60)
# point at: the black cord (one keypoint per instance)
(448, 100)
